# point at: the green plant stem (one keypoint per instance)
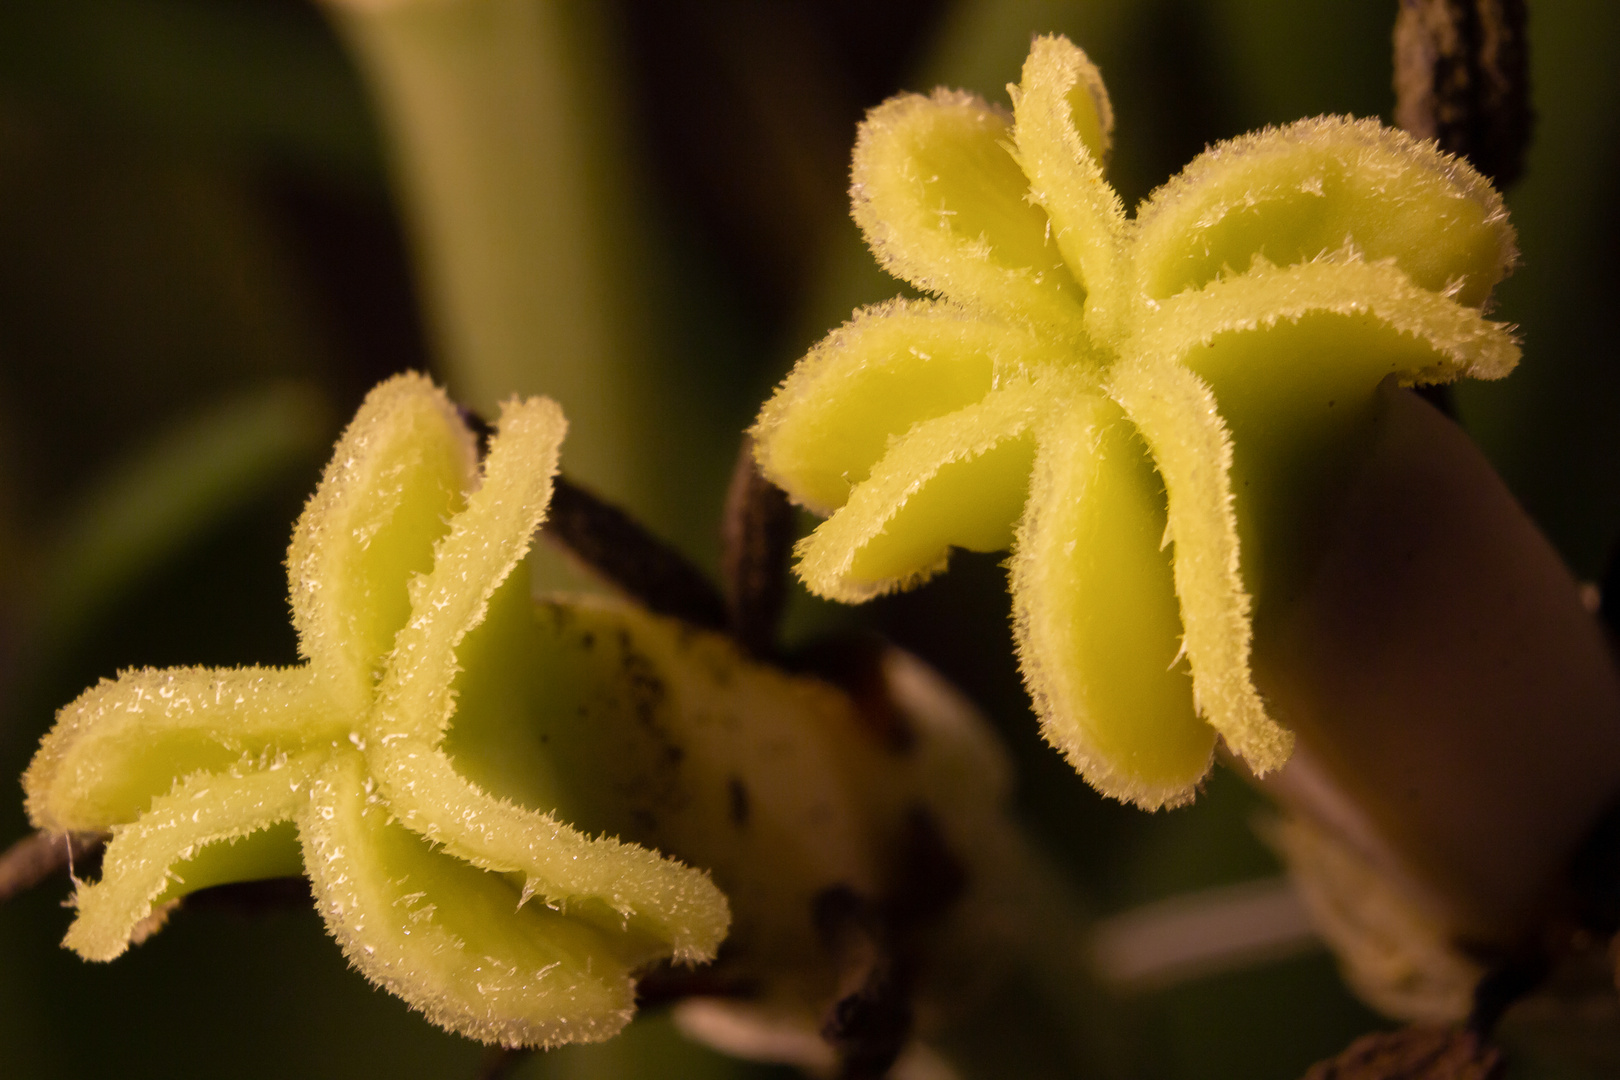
(498, 114)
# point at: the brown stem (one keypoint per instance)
(1462, 78)
(616, 546)
(870, 1018)
(668, 982)
(620, 550)
(756, 539)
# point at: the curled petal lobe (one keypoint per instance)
(956, 480)
(1320, 186)
(484, 543)
(1058, 70)
(1062, 126)
(943, 205)
(1095, 614)
(399, 472)
(1175, 413)
(146, 861)
(1444, 339)
(636, 889)
(125, 740)
(869, 382)
(450, 939)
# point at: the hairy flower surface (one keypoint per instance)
(1121, 400)
(489, 915)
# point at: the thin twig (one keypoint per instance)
(756, 539)
(34, 859)
(616, 546)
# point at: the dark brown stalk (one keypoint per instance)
(1462, 78)
(869, 1021)
(620, 550)
(756, 539)
(616, 547)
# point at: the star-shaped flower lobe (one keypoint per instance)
(495, 919)
(1125, 402)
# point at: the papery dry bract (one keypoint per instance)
(339, 766)
(1397, 956)
(1121, 400)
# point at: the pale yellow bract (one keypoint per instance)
(1121, 400)
(495, 919)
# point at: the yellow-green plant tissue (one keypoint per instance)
(1121, 400)
(496, 919)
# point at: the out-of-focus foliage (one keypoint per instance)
(194, 210)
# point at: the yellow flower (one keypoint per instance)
(1121, 400)
(340, 767)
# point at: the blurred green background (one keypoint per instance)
(202, 270)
